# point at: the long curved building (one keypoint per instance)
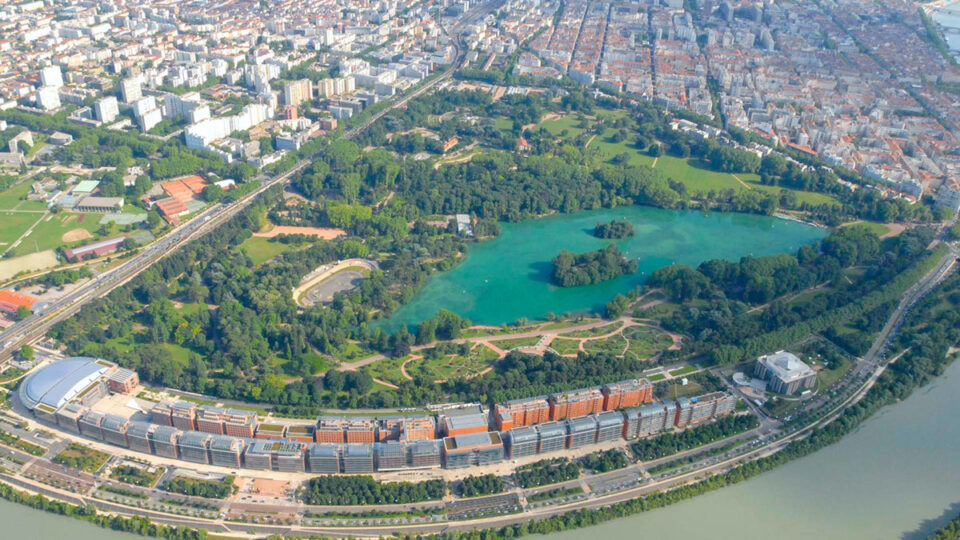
(81, 380)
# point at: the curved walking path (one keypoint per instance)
(546, 338)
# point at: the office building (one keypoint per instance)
(551, 437)
(391, 456)
(164, 441)
(123, 381)
(271, 431)
(684, 412)
(424, 454)
(114, 429)
(226, 451)
(91, 424)
(525, 412)
(138, 436)
(183, 415)
(609, 426)
(323, 458)
(576, 403)
(581, 431)
(357, 458)
(631, 423)
(194, 446)
(472, 449)
(521, 441)
(304, 434)
(623, 394)
(653, 418)
(785, 373)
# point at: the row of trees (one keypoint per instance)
(476, 486)
(354, 490)
(545, 472)
(672, 443)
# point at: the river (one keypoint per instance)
(508, 277)
(897, 476)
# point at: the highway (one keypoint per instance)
(33, 328)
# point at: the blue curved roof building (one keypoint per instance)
(54, 385)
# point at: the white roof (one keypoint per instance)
(786, 366)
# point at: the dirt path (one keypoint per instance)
(744, 184)
(320, 232)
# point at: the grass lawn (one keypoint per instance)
(193, 308)
(646, 342)
(451, 367)
(808, 197)
(878, 229)
(695, 175)
(13, 196)
(682, 371)
(657, 377)
(14, 225)
(261, 250)
(609, 149)
(503, 124)
(48, 234)
(569, 122)
(596, 331)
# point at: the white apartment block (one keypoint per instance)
(201, 134)
(296, 92)
(106, 109)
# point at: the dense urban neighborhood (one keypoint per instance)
(453, 268)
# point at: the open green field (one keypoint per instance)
(878, 229)
(609, 149)
(451, 367)
(261, 250)
(10, 198)
(320, 363)
(48, 234)
(683, 371)
(695, 175)
(14, 225)
(569, 123)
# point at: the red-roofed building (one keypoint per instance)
(11, 301)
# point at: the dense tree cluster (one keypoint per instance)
(476, 486)
(354, 490)
(728, 329)
(197, 487)
(545, 472)
(573, 269)
(606, 461)
(613, 229)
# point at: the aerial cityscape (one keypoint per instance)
(479, 268)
